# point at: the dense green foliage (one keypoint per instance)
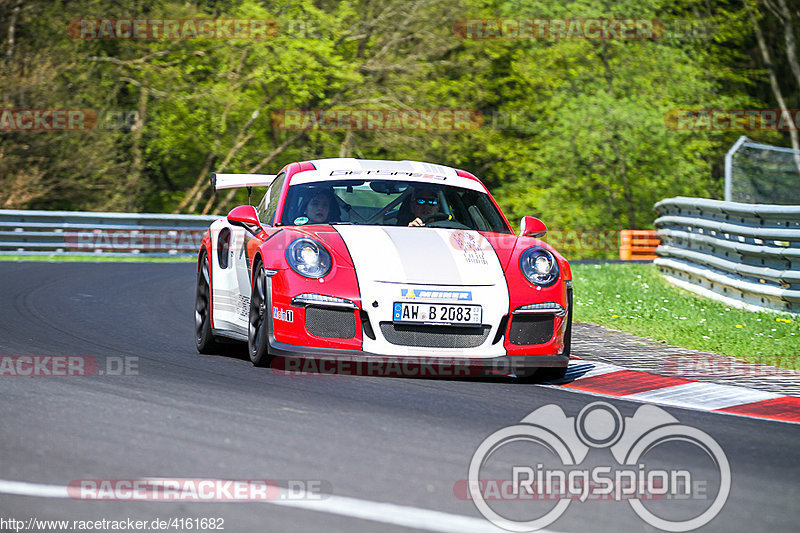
(573, 131)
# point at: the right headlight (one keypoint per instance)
(539, 266)
(308, 258)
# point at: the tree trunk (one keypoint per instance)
(135, 172)
(788, 33)
(261, 164)
(776, 89)
(344, 148)
(197, 184)
(196, 193)
(12, 26)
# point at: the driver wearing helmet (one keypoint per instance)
(424, 204)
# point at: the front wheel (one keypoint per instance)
(258, 328)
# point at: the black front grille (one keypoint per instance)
(332, 323)
(434, 336)
(531, 329)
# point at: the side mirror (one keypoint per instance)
(246, 217)
(532, 227)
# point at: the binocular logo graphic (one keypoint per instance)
(599, 425)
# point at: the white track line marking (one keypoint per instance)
(702, 395)
(385, 513)
(399, 515)
(22, 488)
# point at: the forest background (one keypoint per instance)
(575, 131)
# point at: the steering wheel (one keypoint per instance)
(443, 220)
(435, 217)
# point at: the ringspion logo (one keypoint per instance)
(518, 495)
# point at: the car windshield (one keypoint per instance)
(391, 203)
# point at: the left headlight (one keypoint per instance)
(539, 266)
(308, 258)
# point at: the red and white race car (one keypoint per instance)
(387, 259)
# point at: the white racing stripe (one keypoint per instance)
(432, 256)
(385, 513)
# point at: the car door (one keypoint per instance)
(236, 248)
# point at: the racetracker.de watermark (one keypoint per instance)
(554, 29)
(57, 120)
(565, 240)
(34, 120)
(517, 472)
(733, 119)
(48, 366)
(193, 490)
(135, 241)
(175, 29)
(377, 119)
(590, 29)
(711, 365)
(414, 367)
(407, 366)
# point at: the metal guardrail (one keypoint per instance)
(80, 233)
(743, 254)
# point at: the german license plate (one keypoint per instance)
(469, 315)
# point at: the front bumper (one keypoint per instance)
(355, 330)
(309, 322)
(296, 360)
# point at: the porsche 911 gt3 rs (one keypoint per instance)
(369, 258)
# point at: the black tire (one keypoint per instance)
(203, 337)
(550, 373)
(568, 335)
(258, 326)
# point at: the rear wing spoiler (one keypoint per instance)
(231, 181)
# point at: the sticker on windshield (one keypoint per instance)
(301, 220)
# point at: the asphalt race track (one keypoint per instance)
(364, 441)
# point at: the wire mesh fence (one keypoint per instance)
(758, 173)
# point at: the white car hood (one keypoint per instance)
(428, 256)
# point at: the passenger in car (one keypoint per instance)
(322, 207)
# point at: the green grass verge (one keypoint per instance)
(635, 298)
(98, 258)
